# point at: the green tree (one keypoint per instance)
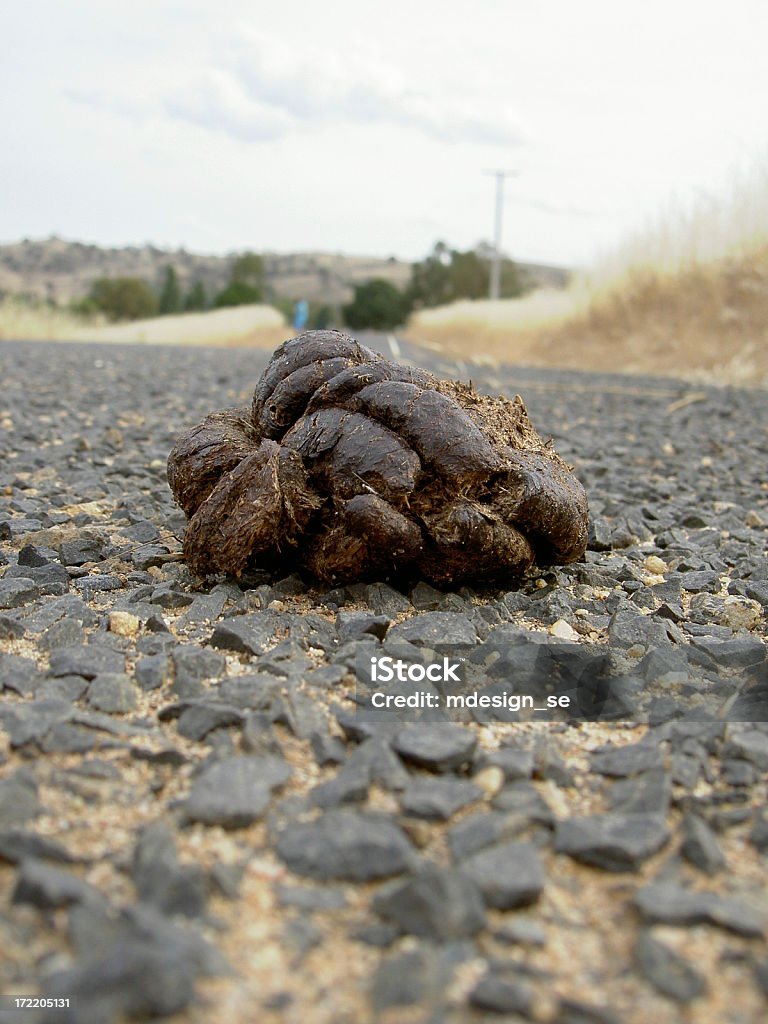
(431, 278)
(447, 275)
(196, 297)
(246, 282)
(170, 296)
(238, 294)
(470, 276)
(248, 268)
(123, 298)
(377, 304)
(512, 281)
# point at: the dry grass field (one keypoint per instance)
(22, 321)
(258, 326)
(687, 296)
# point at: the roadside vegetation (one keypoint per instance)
(687, 296)
(443, 276)
(39, 320)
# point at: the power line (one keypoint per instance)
(499, 175)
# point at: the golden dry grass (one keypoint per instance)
(255, 326)
(25, 321)
(687, 296)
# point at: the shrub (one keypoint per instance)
(170, 296)
(123, 298)
(238, 294)
(378, 305)
(196, 297)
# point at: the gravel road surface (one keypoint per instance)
(196, 824)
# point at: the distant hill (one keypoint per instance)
(60, 270)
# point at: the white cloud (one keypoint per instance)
(216, 101)
(267, 91)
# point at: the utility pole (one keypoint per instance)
(495, 287)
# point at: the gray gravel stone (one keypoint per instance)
(425, 598)
(194, 664)
(235, 792)
(376, 759)
(347, 787)
(735, 772)
(152, 671)
(18, 674)
(15, 593)
(441, 747)
(130, 979)
(439, 799)
(626, 760)
(167, 596)
(359, 625)
(750, 745)
(196, 721)
(10, 628)
(113, 693)
(614, 842)
(17, 845)
(502, 993)
(404, 979)
(668, 903)
(226, 878)
(514, 762)
(629, 628)
(34, 556)
(204, 608)
(523, 801)
(256, 690)
(444, 632)
(647, 793)
(520, 931)
(64, 633)
(574, 1011)
(18, 798)
(159, 878)
(49, 579)
(148, 555)
(87, 660)
(475, 832)
(509, 875)
(435, 904)
(49, 888)
(30, 722)
(245, 633)
(68, 606)
(80, 550)
(667, 971)
(700, 846)
(97, 583)
(385, 600)
(758, 835)
(302, 897)
(344, 845)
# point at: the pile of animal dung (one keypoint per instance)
(351, 467)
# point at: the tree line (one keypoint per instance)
(444, 276)
(132, 298)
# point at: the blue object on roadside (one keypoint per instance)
(300, 314)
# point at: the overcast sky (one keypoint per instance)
(365, 127)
